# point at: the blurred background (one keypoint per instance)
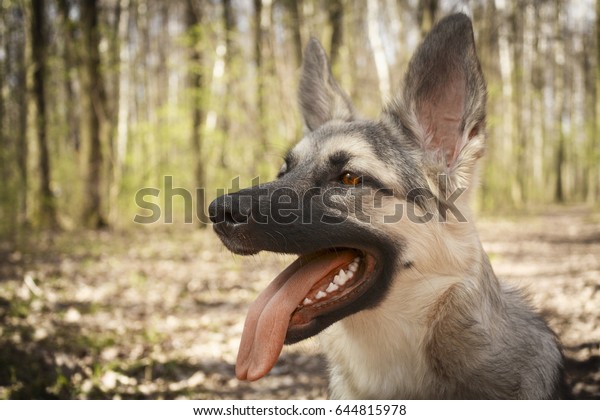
(102, 98)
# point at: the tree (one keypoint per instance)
(336, 16)
(426, 15)
(381, 63)
(71, 109)
(230, 29)
(19, 99)
(194, 13)
(594, 173)
(259, 44)
(294, 8)
(48, 217)
(120, 107)
(560, 104)
(93, 214)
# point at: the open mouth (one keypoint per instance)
(308, 296)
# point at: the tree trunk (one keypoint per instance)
(295, 10)
(381, 63)
(71, 110)
(336, 17)
(48, 216)
(230, 53)
(426, 14)
(259, 40)
(519, 138)
(120, 108)
(559, 97)
(196, 83)
(8, 194)
(93, 207)
(537, 107)
(593, 195)
(505, 151)
(21, 137)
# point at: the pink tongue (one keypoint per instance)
(269, 316)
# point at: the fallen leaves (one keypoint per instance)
(159, 314)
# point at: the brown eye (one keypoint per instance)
(351, 179)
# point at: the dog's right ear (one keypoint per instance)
(321, 98)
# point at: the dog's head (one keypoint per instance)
(357, 200)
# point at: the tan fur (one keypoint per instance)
(446, 328)
(439, 324)
(436, 329)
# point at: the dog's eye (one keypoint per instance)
(351, 179)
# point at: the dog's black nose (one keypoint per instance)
(226, 210)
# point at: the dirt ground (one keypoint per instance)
(159, 314)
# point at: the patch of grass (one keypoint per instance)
(19, 309)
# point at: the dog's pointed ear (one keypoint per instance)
(321, 98)
(444, 95)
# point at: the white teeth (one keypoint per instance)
(341, 278)
(332, 288)
(320, 295)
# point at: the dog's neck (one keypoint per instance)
(378, 353)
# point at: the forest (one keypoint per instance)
(103, 98)
(100, 99)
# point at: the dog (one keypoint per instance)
(391, 271)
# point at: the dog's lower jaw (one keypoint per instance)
(409, 348)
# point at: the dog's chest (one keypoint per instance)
(369, 361)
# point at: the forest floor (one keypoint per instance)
(153, 313)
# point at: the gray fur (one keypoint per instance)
(321, 99)
(470, 336)
(431, 320)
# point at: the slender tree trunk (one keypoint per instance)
(71, 110)
(93, 208)
(120, 108)
(295, 10)
(228, 74)
(559, 97)
(336, 20)
(48, 216)
(505, 151)
(21, 100)
(376, 41)
(163, 39)
(3, 72)
(194, 14)
(489, 55)
(593, 195)
(3, 77)
(537, 106)
(519, 138)
(260, 79)
(8, 194)
(426, 15)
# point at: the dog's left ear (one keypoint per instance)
(321, 98)
(443, 101)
